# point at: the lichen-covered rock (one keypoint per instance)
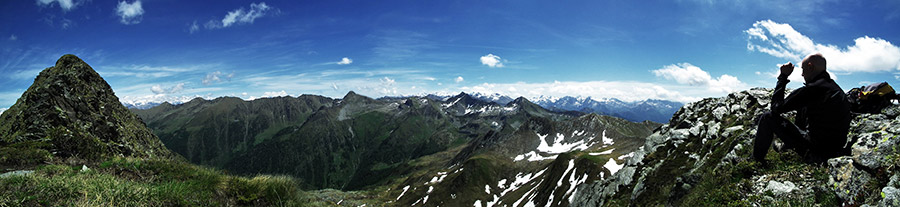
(847, 180)
(702, 157)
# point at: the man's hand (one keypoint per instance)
(786, 70)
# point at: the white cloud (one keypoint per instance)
(685, 73)
(160, 98)
(2, 110)
(868, 54)
(334, 86)
(131, 13)
(25, 74)
(158, 89)
(491, 60)
(459, 79)
(345, 61)
(146, 71)
(66, 5)
(388, 81)
(194, 27)
(216, 77)
(241, 16)
(275, 94)
(13, 38)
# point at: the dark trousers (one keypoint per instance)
(790, 134)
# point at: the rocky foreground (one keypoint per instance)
(701, 157)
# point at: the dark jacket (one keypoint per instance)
(822, 110)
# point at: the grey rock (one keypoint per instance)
(731, 130)
(16, 173)
(720, 113)
(891, 111)
(847, 180)
(780, 188)
(890, 197)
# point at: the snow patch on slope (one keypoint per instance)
(557, 146)
(613, 166)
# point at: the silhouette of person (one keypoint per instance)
(823, 117)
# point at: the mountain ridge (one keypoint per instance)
(650, 109)
(358, 143)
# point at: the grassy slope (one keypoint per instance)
(157, 182)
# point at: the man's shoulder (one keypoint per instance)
(823, 83)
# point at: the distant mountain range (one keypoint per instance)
(651, 109)
(455, 150)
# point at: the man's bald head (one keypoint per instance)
(812, 66)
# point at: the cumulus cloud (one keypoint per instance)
(345, 61)
(158, 89)
(459, 79)
(131, 13)
(241, 16)
(685, 73)
(868, 54)
(66, 5)
(216, 77)
(275, 94)
(492, 60)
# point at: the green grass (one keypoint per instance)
(137, 182)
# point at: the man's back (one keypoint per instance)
(827, 115)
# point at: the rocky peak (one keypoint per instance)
(353, 97)
(466, 100)
(522, 101)
(70, 111)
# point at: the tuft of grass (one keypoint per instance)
(24, 153)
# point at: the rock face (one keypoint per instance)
(702, 157)
(71, 112)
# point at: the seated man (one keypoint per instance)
(823, 115)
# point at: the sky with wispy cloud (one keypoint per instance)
(165, 50)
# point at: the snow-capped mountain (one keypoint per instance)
(650, 109)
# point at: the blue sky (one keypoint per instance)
(170, 50)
